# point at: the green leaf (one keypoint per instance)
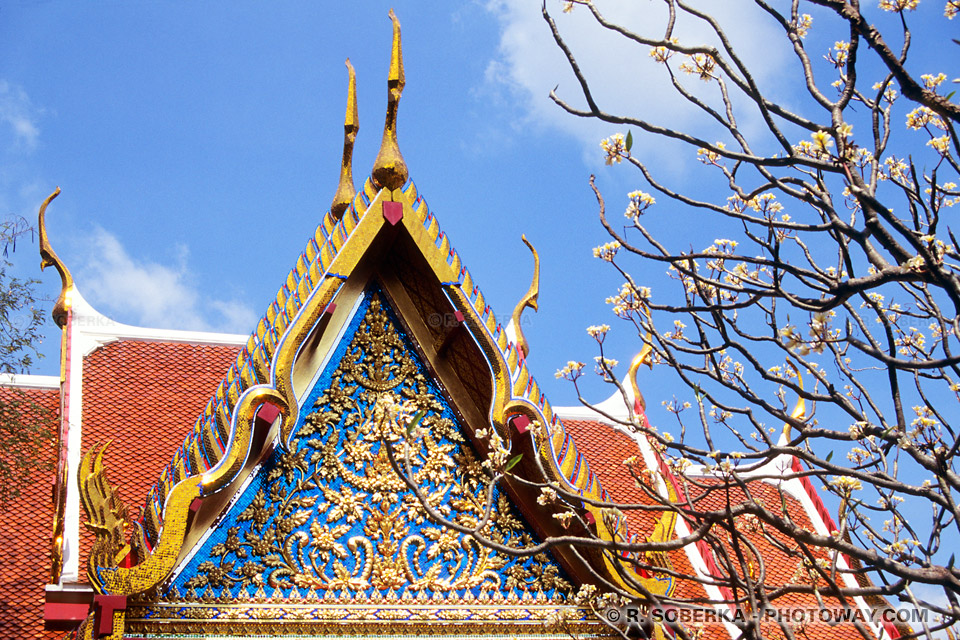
(513, 462)
(416, 420)
(949, 96)
(629, 140)
(829, 455)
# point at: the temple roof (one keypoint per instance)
(229, 407)
(25, 547)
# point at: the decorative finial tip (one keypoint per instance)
(528, 300)
(644, 357)
(346, 192)
(396, 57)
(390, 170)
(352, 121)
(49, 258)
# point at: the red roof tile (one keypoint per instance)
(25, 540)
(145, 397)
(606, 448)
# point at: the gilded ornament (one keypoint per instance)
(346, 192)
(528, 300)
(389, 169)
(799, 409)
(644, 357)
(662, 532)
(106, 513)
(49, 258)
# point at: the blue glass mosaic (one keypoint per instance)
(331, 515)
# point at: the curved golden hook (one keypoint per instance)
(799, 409)
(390, 170)
(642, 358)
(528, 300)
(49, 258)
(346, 192)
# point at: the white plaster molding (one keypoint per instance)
(93, 329)
(608, 412)
(28, 381)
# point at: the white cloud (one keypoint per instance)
(153, 294)
(21, 190)
(18, 113)
(623, 77)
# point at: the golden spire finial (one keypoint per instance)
(351, 125)
(529, 300)
(49, 258)
(389, 170)
(642, 358)
(799, 410)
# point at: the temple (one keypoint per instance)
(327, 475)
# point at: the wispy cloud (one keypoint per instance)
(21, 190)
(152, 294)
(624, 79)
(19, 115)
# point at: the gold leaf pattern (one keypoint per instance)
(330, 514)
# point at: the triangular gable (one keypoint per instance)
(329, 520)
(414, 252)
(331, 514)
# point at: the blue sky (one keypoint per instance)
(198, 145)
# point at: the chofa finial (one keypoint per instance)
(528, 300)
(799, 409)
(644, 357)
(49, 258)
(351, 125)
(389, 170)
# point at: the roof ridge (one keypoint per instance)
(206, 443)
(29, 381)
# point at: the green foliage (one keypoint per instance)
(26, 431)
(26, 428)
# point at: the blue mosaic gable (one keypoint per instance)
(331, 515)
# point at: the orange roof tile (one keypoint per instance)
(144, 396)
(25, 541)
(606, 448)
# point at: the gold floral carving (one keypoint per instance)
(333, 515)
(299, 618)
(302, 618)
